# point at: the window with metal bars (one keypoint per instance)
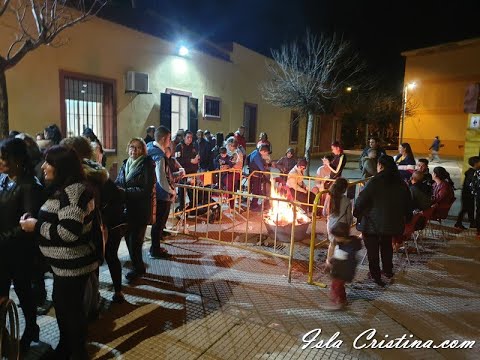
(88, 102)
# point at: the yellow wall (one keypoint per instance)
(442, 75)
(104, 49)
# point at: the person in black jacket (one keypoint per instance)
(382, 209)
(373, 143)
(20, 192)
(468, 199)
(204, 151)
(137, 178)
(188, 157)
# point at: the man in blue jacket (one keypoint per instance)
(257, 162)
(164, 187)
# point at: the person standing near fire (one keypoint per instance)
(188, 157)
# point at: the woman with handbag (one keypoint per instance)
(137, 178)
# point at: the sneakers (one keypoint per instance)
(159, 254)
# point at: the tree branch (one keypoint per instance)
(50, 18)
(3, 6)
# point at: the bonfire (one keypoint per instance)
(280, 217)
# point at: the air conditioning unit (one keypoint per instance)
(137, 82)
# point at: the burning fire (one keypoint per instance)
(281, 212)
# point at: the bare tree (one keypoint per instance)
(38, 22)
(378, 108)
(308, 75)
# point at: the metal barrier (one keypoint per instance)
(240, 219)
(9, 330)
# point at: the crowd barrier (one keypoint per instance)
(224, 216)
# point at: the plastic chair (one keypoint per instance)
(438, 214)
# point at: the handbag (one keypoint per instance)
(340, 228)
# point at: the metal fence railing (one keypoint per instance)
(224, 216)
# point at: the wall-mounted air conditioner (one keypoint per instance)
(137, 82)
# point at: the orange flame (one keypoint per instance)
(282, 212)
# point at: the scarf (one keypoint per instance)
(132, 165)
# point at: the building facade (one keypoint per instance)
(87, 82)
(442, 75)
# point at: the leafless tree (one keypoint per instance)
(38, 22)
(308, 75)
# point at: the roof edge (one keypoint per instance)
(441, 47)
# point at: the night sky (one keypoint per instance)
(379, 30)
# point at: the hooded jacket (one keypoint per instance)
(164, 185)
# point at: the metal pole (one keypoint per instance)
(404, 109)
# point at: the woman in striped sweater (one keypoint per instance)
(63, 227)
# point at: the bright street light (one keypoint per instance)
(411, 86)
(183, 51)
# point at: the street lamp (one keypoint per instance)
(183, 51)
(410, 85)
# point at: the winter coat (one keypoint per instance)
(369, 167)
(443, 194)
(204, 149)
(109, 199)
(164, 181)
(421, 196)
(17, 198)
(140, 192)
(364, 155)
(184, 154)
(64, 227)
(384, 206)
(285, 164)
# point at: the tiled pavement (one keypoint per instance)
(218, 302)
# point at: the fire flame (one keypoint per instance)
(281, 213)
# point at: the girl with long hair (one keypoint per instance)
(63, 227)
(337, 209)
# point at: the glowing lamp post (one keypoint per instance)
(404, 108)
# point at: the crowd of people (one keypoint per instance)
(60, 210)
(399, 195)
